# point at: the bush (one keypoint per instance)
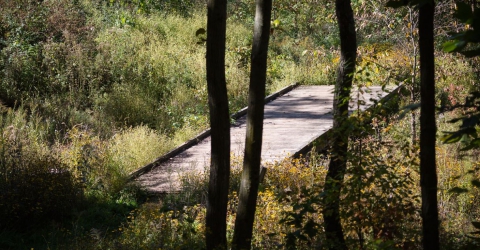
(35, 187)
(37, 193)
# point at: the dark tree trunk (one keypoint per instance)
(337, 166)
(428, 129)
(216, 226)
(242, 236)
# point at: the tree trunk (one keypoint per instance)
(337, 166)
(413, 87)
(220, 126)
(428, 174)
(242, 236)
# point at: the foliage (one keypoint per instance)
(150, 228)
(93, 89)
(36, 188)
(471, 34)
(288, 203)
(467, 133)
(382, 179)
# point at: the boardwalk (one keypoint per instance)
(291, 122)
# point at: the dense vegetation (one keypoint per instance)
(91, 90)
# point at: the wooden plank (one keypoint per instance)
(292, 124)
(322, 142)
(204, 134)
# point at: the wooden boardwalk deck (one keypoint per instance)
(291, 122)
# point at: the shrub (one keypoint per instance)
(36, 192)
(36, 188)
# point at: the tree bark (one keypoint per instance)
(413, 87)
(337, 166)
(428, 173)
(220, 126)
(242, 236)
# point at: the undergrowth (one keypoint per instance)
(91, 90)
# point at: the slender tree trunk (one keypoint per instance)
(220, 126)
(337, 166)
(428, 173)
(242, 236)
(413, 87)
(413, 118)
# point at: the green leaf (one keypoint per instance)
(458, 190)
(454, 45)
(451, 138)
(200, 31)
(276, 23)
(449, 46)
(473, 144)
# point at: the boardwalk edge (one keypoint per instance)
(322, 142)
(204, 134)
